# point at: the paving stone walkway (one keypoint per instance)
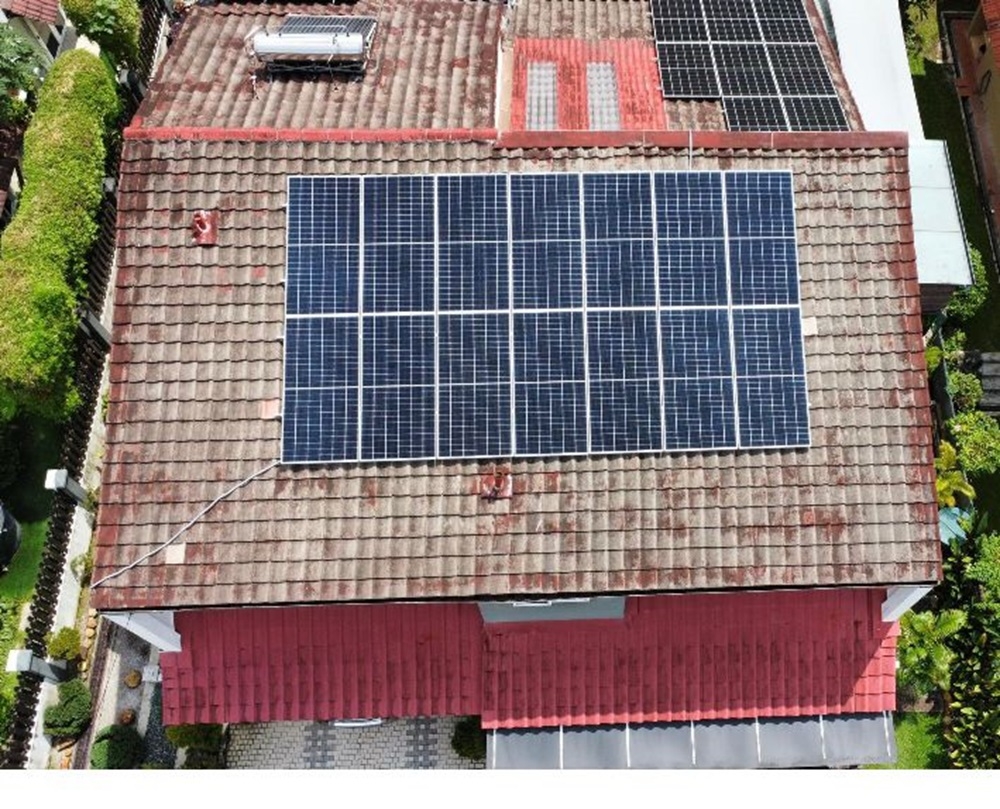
(423, 743)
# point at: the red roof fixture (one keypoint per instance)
(496, 485)
(205, 227)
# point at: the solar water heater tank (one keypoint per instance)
(306, 47)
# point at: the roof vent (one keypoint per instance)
(496, 485)
(315, 44)
(205, 227)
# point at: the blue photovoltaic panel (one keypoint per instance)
(480, 316)
(545, 207)
(475, 421)
(320, 425)
(768, 342)
(323, 210)
(759, 204)
(551, 418)
(689, 205)
(399, 277)
(699, 413)
(696, 343)
(397, 423)
(773, 411)
(474, 349)
(473, 275)
(624, 381)
(625, 415)
(548, 346)
(398, 351)
(322, 280)
(399, 210)
(472, 208)
(621, 273)
(622, 345)
(547, 275)
(617, 206)
(693, 272)
(321, 353)
(764, 271)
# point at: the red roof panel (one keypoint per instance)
(718, 656)
(640, 103)
(695, 657)
(292, 663)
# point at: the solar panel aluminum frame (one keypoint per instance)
(730, 308)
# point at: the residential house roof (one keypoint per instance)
(196, 367)
(41, 10)
(697, 657)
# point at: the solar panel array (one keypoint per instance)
(479, 316)
(759, 56)
(330, 24)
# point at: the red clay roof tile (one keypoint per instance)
(41, 10)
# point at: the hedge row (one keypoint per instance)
(45, 246)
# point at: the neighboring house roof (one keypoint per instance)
(696, 657)
(991, 16)
(197, 363)
(41, 10)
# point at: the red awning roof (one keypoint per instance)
(672, 658)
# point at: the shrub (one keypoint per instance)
(965, 303)
(117, 747)
(965, 389)
(112, 24)
(196, 737)
(934, 356)
(45, 246)
(19, 66)
(954, 347)
(469, 740)
(950, 480)
(71, 715)
(924, 657)
(977, 437)
(197, 759)
(64, 644)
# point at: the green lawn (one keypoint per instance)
(919, 742)
(16, 588)
(37, 442)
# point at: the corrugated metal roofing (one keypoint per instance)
(632, 66)
(672, 658)
(293, 663)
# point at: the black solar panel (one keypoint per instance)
(755, 55)
(764, 114)
(780, 9)
(676, 8)
(779, 29)
(680, 29)
(724, 29)
(744, 70)
(486, 316)
(821, 114)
